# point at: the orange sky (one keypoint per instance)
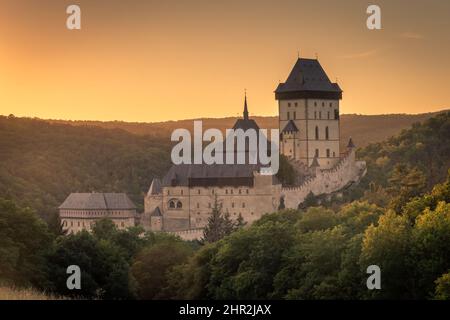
(149, 61)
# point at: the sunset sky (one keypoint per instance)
(147, 61)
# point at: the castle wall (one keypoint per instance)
(74, 221)
(326, 181)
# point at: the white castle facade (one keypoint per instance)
(308, 105)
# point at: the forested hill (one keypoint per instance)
(41, 163)
(364, 129)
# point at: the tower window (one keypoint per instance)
(323, 104)
(328, 115)
(317, 153)
(288, 116)
(289, 104)
(315, 104)
(331, 104)
(317, 133)
(315, 114)
(328, 153)
(320, 115)
(296, 104)
(198, 191)
(327, 133)
(295, 116)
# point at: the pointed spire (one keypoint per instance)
(314, 163)
(350, 143)
(245, 106)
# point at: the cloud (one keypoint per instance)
(361, 55)
(412, 35)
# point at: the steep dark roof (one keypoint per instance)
(98, 201)
(155, 187)
(308, 80)
(156, 213)
(290, 127)
(245, 123)
(212, 175)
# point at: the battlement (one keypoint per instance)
(345, 172)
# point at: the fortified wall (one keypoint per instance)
(346, 172)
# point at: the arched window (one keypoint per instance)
(179, 205)
(327, 136)
(317, 133)
(172, 204)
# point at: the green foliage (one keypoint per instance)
(286, 173)
(152, 266)
(24, 238)
(219, 224)
(443, 287)
(42, 163)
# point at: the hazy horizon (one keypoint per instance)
(147, 61)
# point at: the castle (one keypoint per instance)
(308, 107)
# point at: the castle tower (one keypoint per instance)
(308, 109)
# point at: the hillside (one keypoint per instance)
(43, 162)
(364, 129)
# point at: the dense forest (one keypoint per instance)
(364, 129)
(397, 218)
(42, 162)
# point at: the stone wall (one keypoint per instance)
(346, 171)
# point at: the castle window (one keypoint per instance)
(71, 223)
(172, 204)
(239, 191)
(295, 116)
(243, 204)
(122, 224)
(209, 205)
(231, 191)
(179, 205)
(232, 204)
(327, 134)
(247, 191)
(198, 205)
(328, 153)
(288, 117)
(181, 191)
(331, 104)
(226, 191)
(328, 115)
(320, 115)
(334, 154)
(168, 192)
(296, 104)
(317, 133)
(212, 191)
(323, 104)
(315, 114)
(289, 104)
(317, 153)
(198, 191)
(315, 104)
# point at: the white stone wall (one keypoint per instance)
(308, 114)
(347, 170)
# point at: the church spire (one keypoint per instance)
(245, 107)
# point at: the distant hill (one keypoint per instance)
(42, 163)
(364, 129)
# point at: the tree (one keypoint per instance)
(153, 264)
(104, 267)
(442, 291)
(24, 240)
(219, 224)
